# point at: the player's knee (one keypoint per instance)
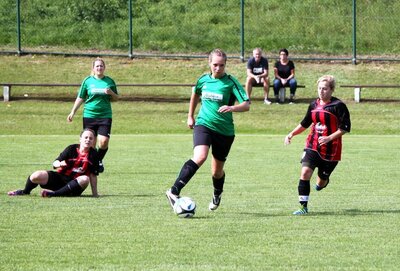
(83, 181)
(39, 176)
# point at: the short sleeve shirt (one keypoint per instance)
(324, 121)
(257, 68)
(284, 71)
(78, 163)
(97, 103)
(214, 93)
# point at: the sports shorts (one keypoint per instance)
(313, 160)
(220, 144)
(100, 126)
(57, 181)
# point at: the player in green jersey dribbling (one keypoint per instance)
(213, 127)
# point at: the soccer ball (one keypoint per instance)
(184, 207)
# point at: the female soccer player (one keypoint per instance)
(329, 119)
(97, 91)
(213, 126)
(76, 167)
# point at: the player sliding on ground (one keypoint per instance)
(329, 119)
(76, 167)
(214, 125)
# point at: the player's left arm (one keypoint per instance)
(242, 107)
(93, 184)
(114, 96)
(325, 139)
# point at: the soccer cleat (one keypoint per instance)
(267, 102)
(214, 204)
(302, 211)
(101, 167)
(319, 188)
(172, 198)
(47, 193)
(16, 193)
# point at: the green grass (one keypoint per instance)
(353, 223)
(195, 27)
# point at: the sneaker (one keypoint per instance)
(101, 167)
(302, 211)
(17, 193)
(172, 198)
(47, 193)
(266, 101)
(214, 204)
(291, 101)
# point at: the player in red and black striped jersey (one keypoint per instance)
(328, 119)
(75, 168)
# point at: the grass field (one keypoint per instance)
(353, 224)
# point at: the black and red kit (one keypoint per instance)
(325, 120)
(78, 163)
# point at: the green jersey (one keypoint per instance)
(214, 93)
(97, 103)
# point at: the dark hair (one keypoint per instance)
(284, 50)
(88, 129)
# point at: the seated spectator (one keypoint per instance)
(284, 75)
(257, 74)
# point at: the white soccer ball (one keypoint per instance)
(184, 207)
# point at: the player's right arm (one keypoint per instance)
(194, 100)
(76, 106)
(298, 130)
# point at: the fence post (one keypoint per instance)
(357, 94)
(354, 60)
(6, 93)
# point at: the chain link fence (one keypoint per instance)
(309, 29)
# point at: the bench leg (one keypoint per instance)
(357, 95)
(6, 93)
(282, 94)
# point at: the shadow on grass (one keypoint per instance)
(349, 212)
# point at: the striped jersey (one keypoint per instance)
(78, 163)
(324, 121)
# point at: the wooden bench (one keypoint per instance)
(8, 86)
(282, 91)
(357, 89)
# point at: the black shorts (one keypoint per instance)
(98, 125)
(312, 160)
(57, 181)
(220, 144)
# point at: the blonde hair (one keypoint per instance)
(94, 62)
(257, 49)
(329, 79)
(217, 52)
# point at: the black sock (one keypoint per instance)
(29, 186)
(218, 185)
(187, 172)
(68, 190)
(101, 153)
(304, 191)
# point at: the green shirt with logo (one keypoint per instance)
(97, 103)
(214, 93)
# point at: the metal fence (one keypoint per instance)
(310, 29)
